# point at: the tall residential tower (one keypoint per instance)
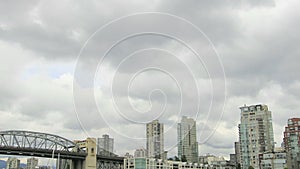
(187, 140)
(255, 134)
(105, 145)
(291, 142)
(155, 139)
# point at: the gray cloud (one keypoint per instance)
(257, 42)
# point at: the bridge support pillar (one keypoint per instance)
(77, 164)
(91, 158)
(64, 163)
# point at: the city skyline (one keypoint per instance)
(40, 44)
(255, 135)
(253, 116)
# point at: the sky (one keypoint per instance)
(82, 69)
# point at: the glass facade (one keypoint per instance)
(140, 163)
(187, 140)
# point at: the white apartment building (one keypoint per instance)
(255, 134)
(155, 140)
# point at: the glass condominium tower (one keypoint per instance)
(255, 134)
(187, 140)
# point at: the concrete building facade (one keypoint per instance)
(12, 163)
(273, 160)
(32, 163)
(237, 153)
(187, 140)
(151, 163)
(232, 159)
(291, 142)
(255, 134)
(155, 139)
(140, 153)
(90, 147)
(105, 144)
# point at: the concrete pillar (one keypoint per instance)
(77, 164)
(64, 163)
(91, 158)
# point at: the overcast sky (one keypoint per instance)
(85, 68)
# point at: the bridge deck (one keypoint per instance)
(41, 153)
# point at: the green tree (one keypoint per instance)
(176, 158)
(239, 166)
(250, 167)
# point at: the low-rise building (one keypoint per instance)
(12, 163)
(45, 167)
(151, 163)
(140, 152)
(205, 159)
(32, 163)
(221, 163)
(128, 155)
(273, 160)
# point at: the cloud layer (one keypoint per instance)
(47, 86)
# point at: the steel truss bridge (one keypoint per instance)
(29, 143)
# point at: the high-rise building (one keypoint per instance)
(291, 142)
(32, 163)
(232, 159)
(105, 145)
(12, 163)
(255, 134)
(155, 139)
(140, 153)
(187, 140)
(237, 153)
